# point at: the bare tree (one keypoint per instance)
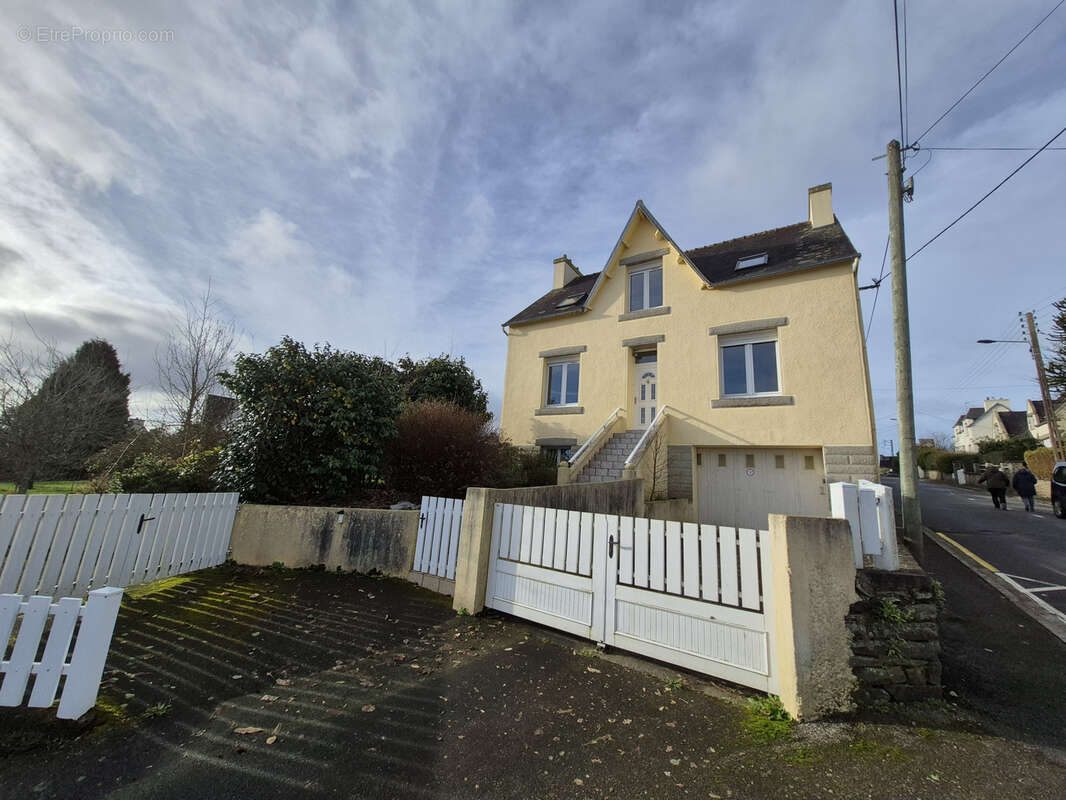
(657, 467)
(945, 441)
(55, 410)
(199, 346)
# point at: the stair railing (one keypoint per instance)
(629, 469)
(593, 445)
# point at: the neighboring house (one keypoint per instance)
(1037, 419)
(994, 421)
(746, 358)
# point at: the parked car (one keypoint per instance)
(1058, 490)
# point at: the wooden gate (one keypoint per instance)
(693, 595)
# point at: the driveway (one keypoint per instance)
(305, 684)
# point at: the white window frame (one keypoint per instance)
(561, 362)
(749, 339)
(646, 268)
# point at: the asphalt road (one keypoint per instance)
(1028, 547)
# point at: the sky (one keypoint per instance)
(397, 178)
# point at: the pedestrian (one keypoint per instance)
(1025, 485)
(997, 484)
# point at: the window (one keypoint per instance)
(645, 288)
(722, 461)
(779, 462)
(556, 455)
(808, 462)
(752, 261)
(563, 377)
(749, 461)
(749, 365)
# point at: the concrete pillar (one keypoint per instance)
(813, 589)
(475, 540)
(562, 475)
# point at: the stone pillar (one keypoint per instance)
(562, 475)
(812, 592)
(475, 540)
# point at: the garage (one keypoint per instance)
(742, 486)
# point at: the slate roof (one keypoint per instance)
(789, 249)
(547, 306)
(973, 413)
(1015, 423)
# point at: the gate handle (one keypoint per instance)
(610, 546)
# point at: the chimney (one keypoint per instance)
(820, 205)
(565, 271)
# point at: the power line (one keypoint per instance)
(990, 191)
(877, 291)
(899, 76)
(1004, 58)
(1024, 149)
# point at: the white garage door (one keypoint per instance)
(741, 487)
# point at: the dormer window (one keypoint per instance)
(752, 261)
(570, 301)
(645, 288)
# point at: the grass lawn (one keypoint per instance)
(51, 487)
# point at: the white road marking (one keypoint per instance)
(1049, 589)
(1038, 600)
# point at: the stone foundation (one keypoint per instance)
(895, 637)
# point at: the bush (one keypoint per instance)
(998, 450)
(927, 457)
(1041, 461)
(442, 449)
(157, 474)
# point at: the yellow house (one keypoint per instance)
(732, 377)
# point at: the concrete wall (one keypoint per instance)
(612, 497)
(680, 510)
(813, 589)
(304, 536)
(821, 353)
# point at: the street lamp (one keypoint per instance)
(1045, 393)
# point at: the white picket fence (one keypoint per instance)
(694, 595)
(868, 508)
(66, 545)
(86, 665)
(437, 547)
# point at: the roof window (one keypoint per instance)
(752, 261)
(569, 301)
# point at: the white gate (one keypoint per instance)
(437, 548)
(693, 595)
(67, 544)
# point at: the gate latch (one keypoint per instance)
(140, 523)
(610, 546)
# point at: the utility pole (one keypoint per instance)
(908, 465)
(1045, 392)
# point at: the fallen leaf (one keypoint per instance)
(268, 698)
(593, 669)
(273, 737)
(627, 722)
(565, 711)
(675, 761)
(369, 708)
(247, 730)
(283, 682)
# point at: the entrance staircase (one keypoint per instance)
(607, 464)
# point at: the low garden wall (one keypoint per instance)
(350, 539)
(613, 497)
(895, 637)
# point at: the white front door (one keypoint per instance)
(645, 380)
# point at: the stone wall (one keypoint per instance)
(360, 539)
(895, 637)
(849, 464)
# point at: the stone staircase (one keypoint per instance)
(607, 464)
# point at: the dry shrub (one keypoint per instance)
(441, 449)
(1041, 461)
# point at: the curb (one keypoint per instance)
(1026, 603)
